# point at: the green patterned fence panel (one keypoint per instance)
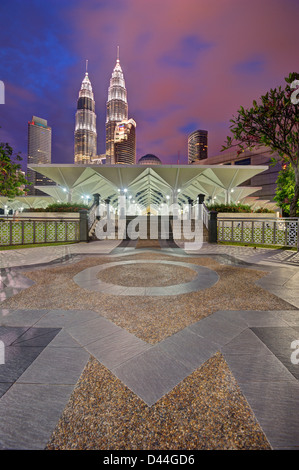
(24, 232)
(281, 231)
(28, 233)
(16, 230)
(72, 231)
(5, 233)
(51, 232)
(61, 231)
(40, 232)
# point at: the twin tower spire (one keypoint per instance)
(120, 131)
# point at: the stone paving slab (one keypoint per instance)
(66, 318)
(262, 318)
(39, 337)
(29, 414)
(117, 348)
(20, 317)
(17, 359)
(4, 386)
(257, 368)
(217, 330)
(64, 340)
(56, 366)
(276, 404)
(291, 317)
(245, 343)
(188, 348)
(152, 374)
(93, 330)
(277, 339)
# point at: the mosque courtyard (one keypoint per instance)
(141, 345)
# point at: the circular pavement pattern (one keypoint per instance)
(147, 275)
(204, 278)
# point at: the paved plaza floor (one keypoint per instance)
(117, 345)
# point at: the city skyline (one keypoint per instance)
(186, 68)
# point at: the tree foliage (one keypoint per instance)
(272, 122)
(285, 189)
(11, 178)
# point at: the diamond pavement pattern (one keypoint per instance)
(255, 345)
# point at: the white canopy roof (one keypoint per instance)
(20, 202)
(147, 185)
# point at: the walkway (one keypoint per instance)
(159, 365)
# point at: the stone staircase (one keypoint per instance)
(156, 226)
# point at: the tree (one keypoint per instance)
(11, 178)
(274, 123)
(285, 189)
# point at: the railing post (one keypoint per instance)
(200, 201)
(83, 229)
(190, 202)
(213, 227)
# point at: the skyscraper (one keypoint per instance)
(39, 152)
(85, 126)
(117, 109)
(125, 142)
(197, 146)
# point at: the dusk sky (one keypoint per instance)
(188, 64)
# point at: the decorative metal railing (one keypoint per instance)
(205, 216)
(276, 231)
(38, 230)
(91, 217)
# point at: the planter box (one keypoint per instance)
(47, 215)
(248, 215)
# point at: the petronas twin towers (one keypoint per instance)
(120, 131)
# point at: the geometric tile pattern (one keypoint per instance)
(56, 345)
(87, 279)
(255, 345)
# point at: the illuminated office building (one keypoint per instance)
(197, 146)
(125, 142)
(85, 125)
(39, 152)
(117, 109)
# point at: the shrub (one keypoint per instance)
(237, 208)
(229, 208)
(264, 210)
(60, 207)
